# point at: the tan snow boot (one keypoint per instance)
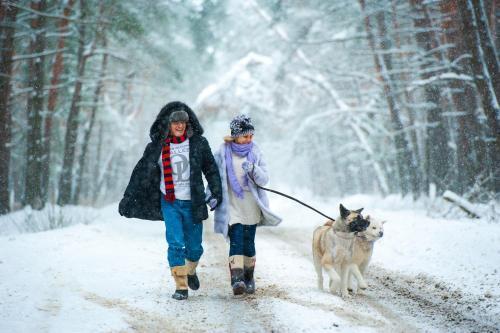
(181, 288)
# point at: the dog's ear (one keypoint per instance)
(359, 210)
(343, 211)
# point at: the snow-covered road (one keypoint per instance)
(111, 276)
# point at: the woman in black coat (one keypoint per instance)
(166, 184)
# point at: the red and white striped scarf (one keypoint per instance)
(167, 165)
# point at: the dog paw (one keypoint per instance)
(363, 286)
(344, 294)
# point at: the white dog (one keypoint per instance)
(363, 250)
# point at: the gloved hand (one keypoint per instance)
(212, 203)
(247, 166)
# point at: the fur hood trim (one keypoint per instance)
(160, 127)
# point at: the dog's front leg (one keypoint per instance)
(354, 269)
(333, 277)
(344, 293)
(350, 283)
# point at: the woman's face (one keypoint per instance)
(177, 128)
(244, 139)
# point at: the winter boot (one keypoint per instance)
(236, 269)
(180, 276)
(248, 269)
(193, 281)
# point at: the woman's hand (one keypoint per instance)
(212, 203)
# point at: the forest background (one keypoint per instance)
(375, 97)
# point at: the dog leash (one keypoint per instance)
(286, 196)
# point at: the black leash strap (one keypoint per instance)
(287, 196)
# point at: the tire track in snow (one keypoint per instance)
(403, 299)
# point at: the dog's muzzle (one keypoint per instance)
(359, 224)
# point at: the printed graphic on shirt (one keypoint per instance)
(179, 156)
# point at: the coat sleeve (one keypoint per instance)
(259, 173)
(138, 181)
(211, 172)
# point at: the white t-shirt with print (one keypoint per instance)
(179, 157)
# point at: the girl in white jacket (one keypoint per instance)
(244, 205)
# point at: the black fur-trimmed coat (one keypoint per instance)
(142, 195)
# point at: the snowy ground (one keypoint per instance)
(108, 274)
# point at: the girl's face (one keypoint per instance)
(241, 140)
(177, 128)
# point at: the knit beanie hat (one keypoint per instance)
(241, 125)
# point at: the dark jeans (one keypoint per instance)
(242, 239)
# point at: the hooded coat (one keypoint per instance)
(142, 196)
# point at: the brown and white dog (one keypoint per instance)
(333, 245)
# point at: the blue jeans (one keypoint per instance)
(242, 239)
(184, 235)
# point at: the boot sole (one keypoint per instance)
(239, 289)
(180, 296)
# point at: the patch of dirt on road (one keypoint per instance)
(424, 296)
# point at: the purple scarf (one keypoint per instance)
(242, 150)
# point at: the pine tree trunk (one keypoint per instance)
(488, 44)
(8, 16)
(405, 163)
(410, 112)
(57, 69)
(470, 150)
(385, 60)
(97, 161)
(66, 178)
(485, 86)
(437, 152)
(93, 112)
(34, 153)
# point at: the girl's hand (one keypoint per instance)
(247, 166)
